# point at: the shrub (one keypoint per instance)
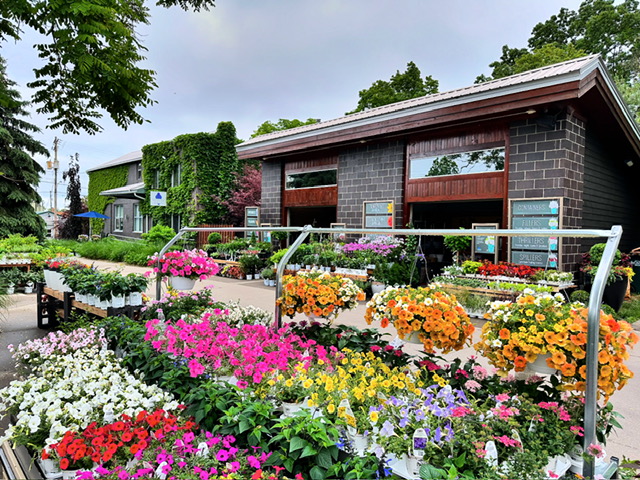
(159, 233)
(214, 238)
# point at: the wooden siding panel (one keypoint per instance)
(311, 197)
(462, 142)
(477, 186)
(310, 164)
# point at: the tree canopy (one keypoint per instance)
(401, 86)
(19, 172)
(282, 124)
(598, 26)
(90, 57)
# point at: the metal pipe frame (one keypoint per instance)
(595, 298)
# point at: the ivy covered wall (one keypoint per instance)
(99, 180)
(209, 169)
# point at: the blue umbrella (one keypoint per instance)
(91, 214)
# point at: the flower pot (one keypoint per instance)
(49, 468)
(183, 283)
(577, 464)
(249, 277)
(265, 281)
(69, 474)
(117, 301)
(230, 379)
(28, 288)
(11, 289)
(412, 338)
(289, 409)
(412, 465)
(272, 283)
(360, 444)
(103, 304)
(614, 294)
(81, 297)
(540, 365)
(135, 299)
(377, 287)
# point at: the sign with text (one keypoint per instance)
(539, 214)
(378, 215)
(252, 219)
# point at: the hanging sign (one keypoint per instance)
(539, 214)
(378, 215)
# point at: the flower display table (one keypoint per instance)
(53, 304)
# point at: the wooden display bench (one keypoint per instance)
(362, 278)
(53, 304)
(16, 265)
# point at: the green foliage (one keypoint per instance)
(282, 124)
(99, 180)
(249, 421)
(457, 243)
(72, 225)
(597, 27)
(580, 296)
(402, 272)
(214, 238)
(444, 165)
(470, 267)
(209, 167)
(159, 234)
(91, 54)
(401, 86)
(19, 172)
(305, 445)
(630, 310)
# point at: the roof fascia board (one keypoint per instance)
(464, 99)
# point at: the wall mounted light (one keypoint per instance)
(629, 163)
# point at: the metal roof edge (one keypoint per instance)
(593, 62)
(130, 157)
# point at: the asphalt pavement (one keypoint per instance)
(19, 323)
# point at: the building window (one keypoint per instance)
(176, 176)
(176, 222)
(137, 219)
(118, 218)
(147, 223)
(318, 178)
(139, 171)
(156, 179)
(478, 161)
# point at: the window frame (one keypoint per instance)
(118, 218)
(315, 170)
(440, 155)
(138, 219)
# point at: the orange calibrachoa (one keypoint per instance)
(517, 332)
(434, 315)
(318, 293)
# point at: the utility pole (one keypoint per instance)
(56, 165)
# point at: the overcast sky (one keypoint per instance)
(247, 61)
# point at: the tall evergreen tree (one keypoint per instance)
(73, 226)
(19, 172)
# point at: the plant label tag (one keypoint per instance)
(203, 450)
(516, 436)
(532, 426)
(492, 454)
(382, 398)
(420, 440)
(345, 411)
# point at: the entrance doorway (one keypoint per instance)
(319, 217)
(451, 215)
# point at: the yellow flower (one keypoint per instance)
(373, 416)
(331, 408)
(307, 383)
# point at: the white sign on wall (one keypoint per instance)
(157, 199)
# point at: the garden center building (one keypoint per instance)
(554, 147)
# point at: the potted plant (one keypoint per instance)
(184, 267)
(427, 315)
(620, 274)
(137, 284)
(249, 262)
(458, 244)
(269, 276)
(318, 294)
(544, 327)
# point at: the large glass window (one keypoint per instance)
(118, 218)
(156, 178)
(477, 161)
(318, 178)
(137, 219)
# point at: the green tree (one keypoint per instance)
(90, 58)
(631, 94)
(401, 86)
(73, 226)
(19, 172)
(282, 124)
(598, 26)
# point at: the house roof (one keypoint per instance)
(128, 191)
(128, 158)
(565, 80)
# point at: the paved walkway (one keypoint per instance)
(19, 324)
